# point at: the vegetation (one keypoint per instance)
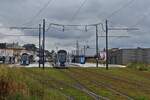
(93, 60)
(73, 83)
(139, 66)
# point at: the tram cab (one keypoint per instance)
(25, 59)
(61, 59)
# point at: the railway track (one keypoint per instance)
(77, 86)
(146, 75)
(76, 73)
(40, 80)
(98, 83)
(132, 82)
(85, 89)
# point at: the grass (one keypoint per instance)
(73, 83)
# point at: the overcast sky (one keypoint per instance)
(120, 13)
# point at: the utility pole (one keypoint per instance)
(43, 43)
(97, 46)
(39, 45)
(107, 39)
(107, 58)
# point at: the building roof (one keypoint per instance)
(14, 46)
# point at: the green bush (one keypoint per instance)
(138, 66)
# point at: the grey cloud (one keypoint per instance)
(16, 12)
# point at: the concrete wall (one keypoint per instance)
(125, 56)
(115, 57)
(146, 57)
(129, 55)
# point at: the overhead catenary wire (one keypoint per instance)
(45, 6)
(100, 23)
(57, 24)
(78, 10)
(65, 28)
(116, 36)
(75, 25)
(86, 27)
(51, 26)
(122, 28)
(118, 10)
(141, 19)
(18, 27)
(18, 35)
(115, 12)
(38, 13)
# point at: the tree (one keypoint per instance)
(30, 47)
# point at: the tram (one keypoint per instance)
(25, 59)
(60, 59)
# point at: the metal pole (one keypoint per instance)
(97, 46)
(43, 43)
(39, 45)
(107, 45)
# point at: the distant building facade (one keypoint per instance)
(125, 56)
(12, 52)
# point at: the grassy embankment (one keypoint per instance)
(73, 84)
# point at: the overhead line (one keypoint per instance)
(114, 36)
(58, 29)
(39, 12)
(18, 35)
(118, 10)
(113, 13)
(141, 19)
(23, 28)
(122, 28)
(73, 25)
(78, 10)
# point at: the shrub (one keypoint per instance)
(138, 66)
(9, 87)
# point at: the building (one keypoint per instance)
(12, 52)
(125, 56)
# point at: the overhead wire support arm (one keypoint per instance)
(115, 36)
(23, 28)
(75, 24)
(117, 28)
(19, 35)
